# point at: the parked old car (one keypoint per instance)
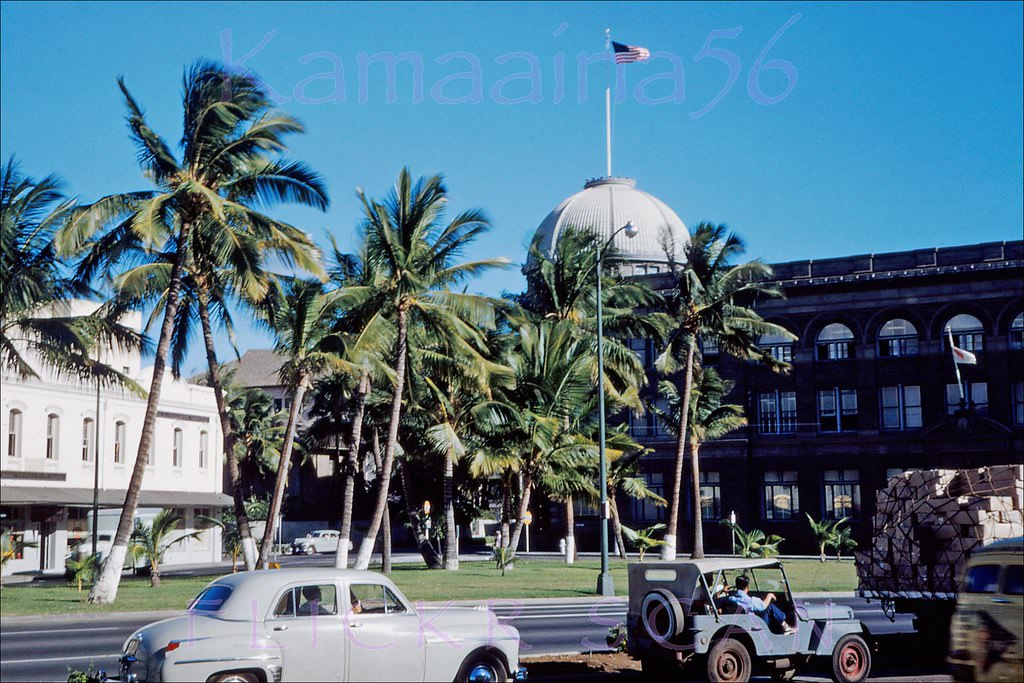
(319, 541)
(679, 618)
(987, 630)
(319, 624)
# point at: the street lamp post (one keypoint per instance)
(605, 586)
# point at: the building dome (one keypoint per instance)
(607, 204)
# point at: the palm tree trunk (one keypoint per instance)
(668, 551)
(698, 525)
(506, 509)
(384, 478)
(451, 539)
(104, 591)
(234, 476)
(385, 553)
(430, 556)
(283, 465)
(570, 531)
(613, 508)
(524, 506)
(349, 472)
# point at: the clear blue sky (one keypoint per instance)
(886, 127)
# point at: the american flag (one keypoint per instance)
(624, 54)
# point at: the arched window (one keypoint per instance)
(968, 332)
(835, 342)
(897, 338)
(88, 439)
(14, 434)
(52, 436)
(176, 452)
(204, 443)
(779, 346)
(120, 441)
(1017, 332)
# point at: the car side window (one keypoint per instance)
(982, 578)
(1013, 582)
(374, 598)
(307, 601)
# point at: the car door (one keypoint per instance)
(383, 635)
(306, 622)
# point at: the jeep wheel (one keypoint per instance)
(728, 662)
(851, 659)
(662, 615)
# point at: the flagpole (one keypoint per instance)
(608, 102)
(956, 365)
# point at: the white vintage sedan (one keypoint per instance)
(319, 541)
(320, 625)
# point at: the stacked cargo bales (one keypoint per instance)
(926, 523)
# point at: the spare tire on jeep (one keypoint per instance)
(661, 615)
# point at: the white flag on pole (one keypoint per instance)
(963, 357)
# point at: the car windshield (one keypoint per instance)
(211, 599)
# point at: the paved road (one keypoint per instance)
(46, 649)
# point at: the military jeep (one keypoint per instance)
(680, 621)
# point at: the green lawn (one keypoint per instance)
(474, 581)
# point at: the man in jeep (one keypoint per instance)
(773, 616)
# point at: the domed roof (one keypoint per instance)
(607, 204)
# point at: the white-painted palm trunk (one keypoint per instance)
(110, 577)
(249, 553)
(668, 551)
(570, 550)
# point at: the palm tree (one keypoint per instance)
(259, 431)
(151, 542)
(623, 464)
(709, 419)
(565, 483)
(303, 321)
(34, 290)
(226, 169)
(413, 255)
(710, 298)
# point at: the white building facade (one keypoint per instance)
(64, 435)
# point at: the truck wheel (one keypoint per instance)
(851, 659)
(728, 662)
(662, 615)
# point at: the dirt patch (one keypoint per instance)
(583, 667)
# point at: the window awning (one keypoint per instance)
(108, 498)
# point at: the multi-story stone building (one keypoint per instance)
(872, 389)
(63, 435)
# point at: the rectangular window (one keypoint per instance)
(777, 412)
(837, 410)
(1018, 403)
(176, 448)
(709, 346)
(842, 494)
(975, 396)
(897, 347)
(901, 407)
(710, 496)
(120, 441)
(834, 350)
(307, 601)
(645, 510)
(780, 352)
(88, 439)
(644, 350)
(968, 341)
(781, 495)
(52, 436)
(14, 434)
(204, 444)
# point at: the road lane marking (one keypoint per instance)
(561, 616)
(58, 659)
(61, 630)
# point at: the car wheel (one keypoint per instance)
(662, 615)
(728, 662)
(236, 677)
(851, 659)
(482, 668)
(310, 550)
